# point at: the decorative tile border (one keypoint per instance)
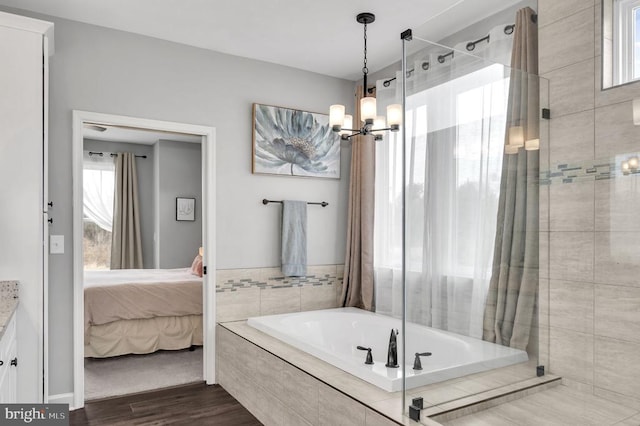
(271, 278)
(591, 170)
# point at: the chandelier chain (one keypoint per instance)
(365, 70)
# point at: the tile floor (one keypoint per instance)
(561, 406)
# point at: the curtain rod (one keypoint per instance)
(112, 154)
(265, 202)
(508, 29)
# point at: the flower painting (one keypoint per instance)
(294, 143)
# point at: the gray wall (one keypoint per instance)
(144, 168)
(103, 70)
(179, 166)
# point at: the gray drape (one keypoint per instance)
(513, 288)
(358, 288)
(126, 244)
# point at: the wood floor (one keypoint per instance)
(196, 404)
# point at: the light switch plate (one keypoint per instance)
(56, 244)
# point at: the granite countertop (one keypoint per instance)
(8, 302)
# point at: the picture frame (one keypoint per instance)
(185, 209)
(292, 142)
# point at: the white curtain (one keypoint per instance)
(455, 123)
(98, 176)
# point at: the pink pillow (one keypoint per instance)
(196, 266)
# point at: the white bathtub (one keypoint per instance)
(333, 334)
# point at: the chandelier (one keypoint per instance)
(372, 124)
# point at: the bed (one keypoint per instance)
(138, 311)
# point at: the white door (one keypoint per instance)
(21, 195)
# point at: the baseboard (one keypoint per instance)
(62, 398)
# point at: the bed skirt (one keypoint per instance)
(143, 336)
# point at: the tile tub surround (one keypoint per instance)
(323, 391)
(593, 230)
(8, 302)
(244, 293)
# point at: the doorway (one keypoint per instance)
(95, 121)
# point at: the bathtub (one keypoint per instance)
(333, 334)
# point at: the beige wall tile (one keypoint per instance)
(627, 401)
(550, 11)
(572, 137)
(617, 258)
(571, 355)
(293, 419)
(543, 254)
(321, 270)
(338, 409)
(270, 408)
(571, 305)
(617, 312)
(224, 275)
(269, 371)
(617, 366)
(616, 94)
(543, 302)
(615, 132)
(237, 305)
(577, 35)
(617, 204)
(279, 300)
(300, 393)
(375, 419)
(268, 274)
(572, 88)
(577, 386)
(571, 206)
(631, 421)
(543, 207)
(240, 353)
(571, 256)
(317, 297)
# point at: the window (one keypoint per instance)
(626, 41)
(98, 189)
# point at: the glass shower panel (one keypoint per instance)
(469, 273)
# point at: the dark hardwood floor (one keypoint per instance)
(196, 404)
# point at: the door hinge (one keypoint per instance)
(204, 270)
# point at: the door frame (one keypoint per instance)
(208, 135)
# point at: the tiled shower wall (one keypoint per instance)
(244, 293)
(592, 231)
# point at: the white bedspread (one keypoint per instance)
(140, 276)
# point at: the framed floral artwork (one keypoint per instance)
(291, 142)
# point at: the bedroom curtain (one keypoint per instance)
(455, 120)
(357, 288)
(512, 293)
(98, 187)
(126, 244)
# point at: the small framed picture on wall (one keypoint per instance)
(185, 209)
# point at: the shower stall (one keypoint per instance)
(457, 216)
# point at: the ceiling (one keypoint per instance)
(315, 35)
(134, 135)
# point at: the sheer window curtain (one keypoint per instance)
(98, 179)
(456, 113)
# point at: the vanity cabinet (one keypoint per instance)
(9, 364)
